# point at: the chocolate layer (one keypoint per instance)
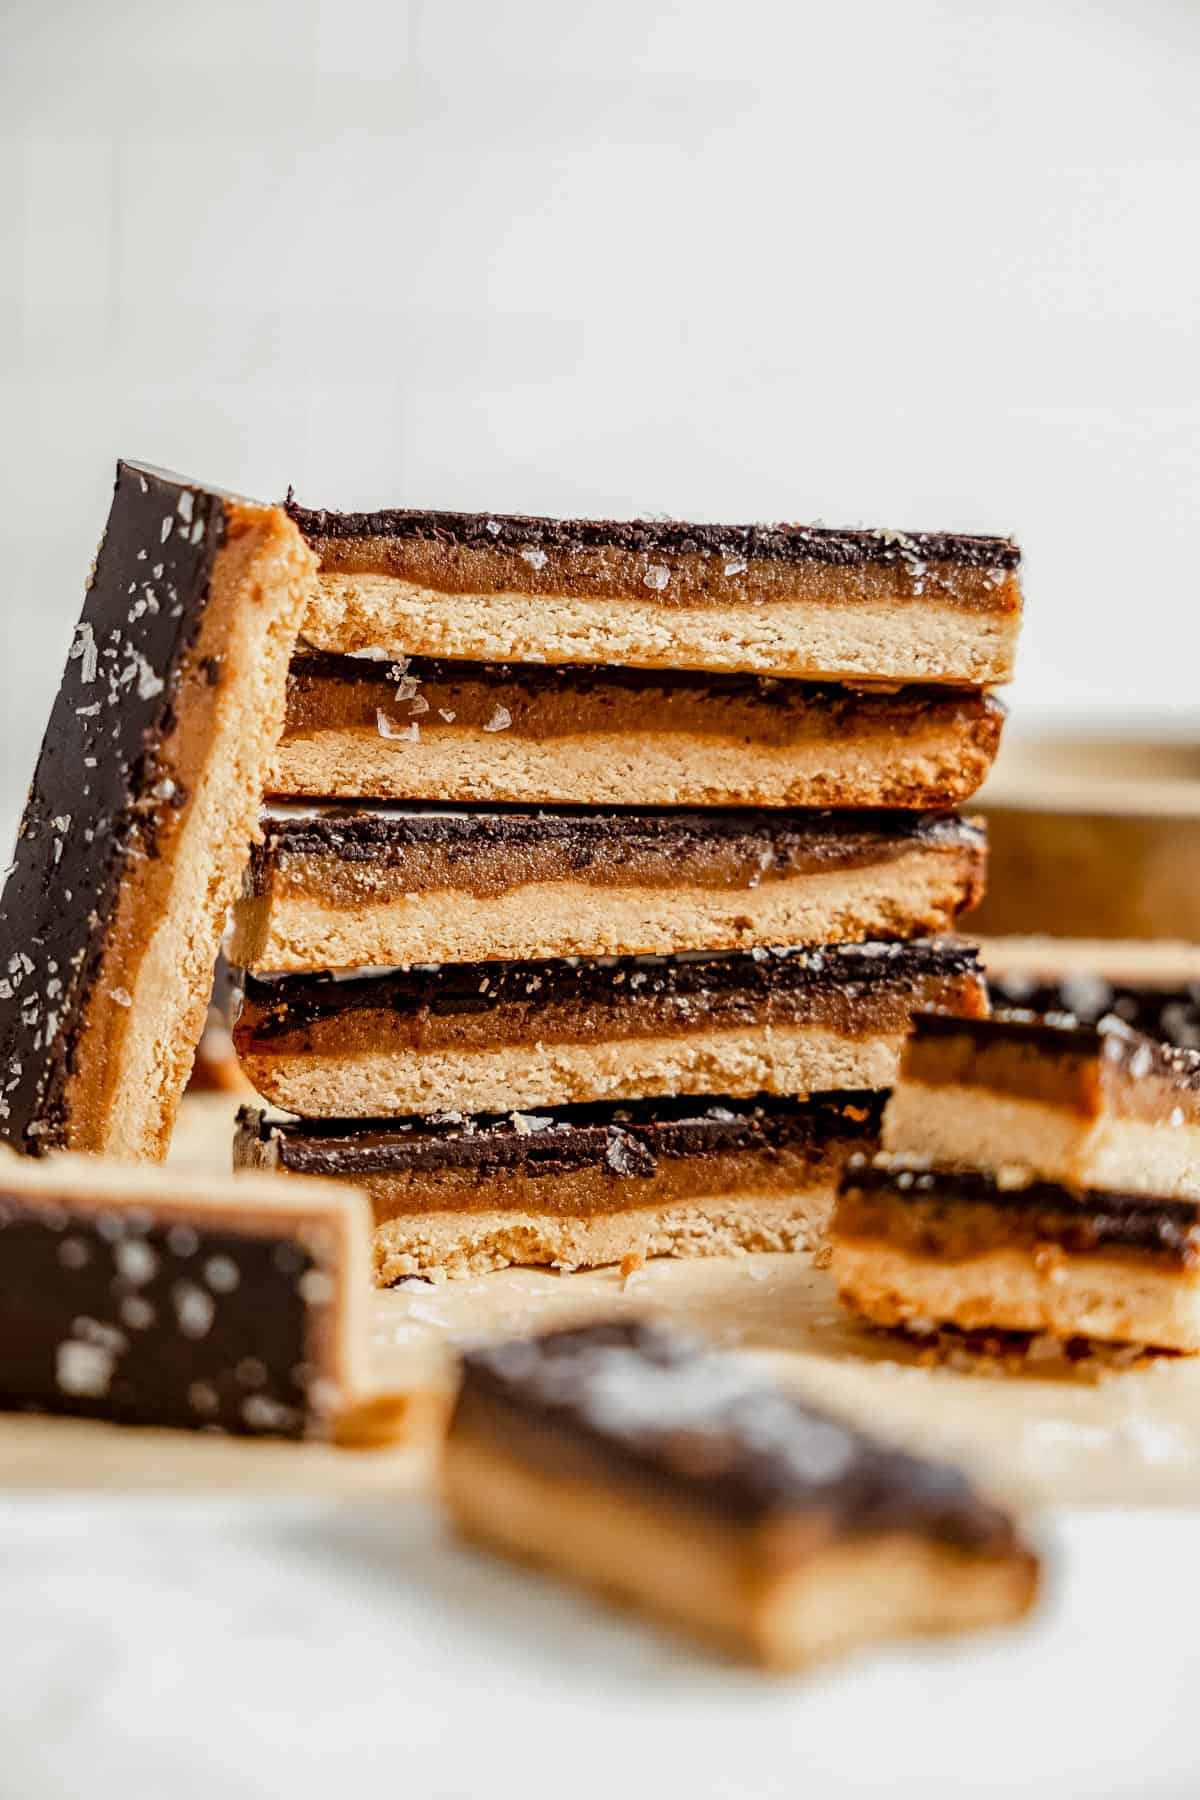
(838, 982)
(661, 1409)
(958, 1214)
(768, 543)
(617, 1141)
(196, 1303)
(1171, 1014)
(98, 802)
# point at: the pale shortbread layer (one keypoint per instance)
(914, 894)
(150, 998)
(921, 640)
(707, 1578)
(939, 767)
(1113, 1299)
(452, 1244)
(977, 1128)
(804, 1059)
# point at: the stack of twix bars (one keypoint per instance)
(602, 868)
(1040, 1174)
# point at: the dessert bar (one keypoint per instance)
(919, 1246)
(206, 1303)
(143, 804)
(665, 1474)
(792, 600)
(581, 1186)
(602, 736)
(1087, 1105)
(485, 1037)
(346, 887)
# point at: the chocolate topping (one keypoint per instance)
(671, 537)
(98, 797)
(362, 832)
(624, 1139)
(1080, 1221)
(280, 1003)
(113, 1316)
(1111, 1040)
(708, 1428)
(1170, 1014)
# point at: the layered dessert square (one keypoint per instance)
(197, 1302)
(918, 1247)
(638, 1461)
(349, 887)
(483, 1037)
(360, 728)
(790, 600)
(582, 1186)
(141, 811)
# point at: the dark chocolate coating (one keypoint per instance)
(111, 1316)
(1170, 1014)
(620, 1138)
(1110, 1039)
(699, 1426)
(1079, 1220)
(671, 537)
(98, 796)
(283, 1002)
(362, 832)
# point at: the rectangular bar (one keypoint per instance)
(363, 729)
(345, 887)
(142, 808)
(128, 1294)
(636, 1460)
(486, 1037)
(583, 1186)
(1086, 1105)
(915, 1245)
(790, 600)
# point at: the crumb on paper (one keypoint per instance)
(632, 1263)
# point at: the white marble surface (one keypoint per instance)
(199, 1648)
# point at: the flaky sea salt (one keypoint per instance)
(409, 733)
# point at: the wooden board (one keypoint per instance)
(1049, 1433)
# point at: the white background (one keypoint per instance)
(887, 261)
